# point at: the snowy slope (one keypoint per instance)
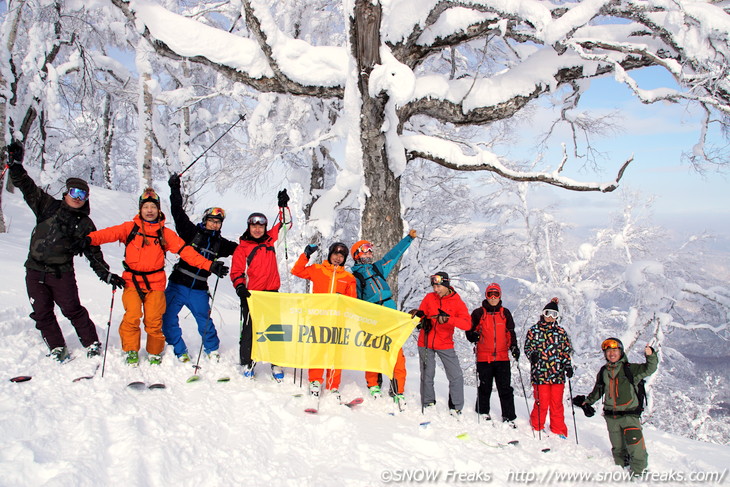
(98, 432)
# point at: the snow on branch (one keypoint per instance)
(449, 154)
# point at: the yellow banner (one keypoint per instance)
(327, 331)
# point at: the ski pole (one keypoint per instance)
(476, 374)
(240, 117)
(524, 392)
(196, 367)
(539, 416)
(572, 407)
(108, 329)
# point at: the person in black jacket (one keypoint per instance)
(50, 278)
(188, 285)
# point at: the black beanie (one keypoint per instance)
(77, 183)
(553, 304)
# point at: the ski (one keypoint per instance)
(196, 378)
(157, 385)
(88, 377)
(21, 378)
(223, 379)
(501, 445)
(137, 385)
(311, 410)
(353, 403)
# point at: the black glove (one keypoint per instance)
(174, 181)
(515, 351)
(219, 269)
(533, 357)
(15, 153)
(580, 401)
(242, 292)
(443, 316)
(283, 198)
(309, 250)
(472, 335)
(417, 313)
(79, 246)
(569, 371)
(116, 281)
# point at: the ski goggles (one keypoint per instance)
(216, 213)
(78, 194)
(340, 250)
(366, 247)
(439, 280)
(151, 196)
(550, 313)
(258, 220)
(493, 294)
(610, 344)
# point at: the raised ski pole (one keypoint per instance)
(240, 117)
(108, 328)
(524, 393)
(196, 367)
(572, 407)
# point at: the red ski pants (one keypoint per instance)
(548, 397)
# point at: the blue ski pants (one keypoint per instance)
(196, 301)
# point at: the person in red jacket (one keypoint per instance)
(254, 267)
(441, 311)
(493, 332)
(328, 277)
(146, 240)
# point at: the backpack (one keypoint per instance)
(639, 389)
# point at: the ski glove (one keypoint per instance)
(416, 313)
(219, 269)
(15, 153)
(533, 358)
(515, 351)
(425, 325)
(79, 247)
(580, 401)
(174, 181)
(569, 371)
(309, 250)
(242, 292)
(472, 335)
(283, 198)
(443, 316)
(116, 281)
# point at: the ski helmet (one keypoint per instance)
(257, 219)
(493, 289)
(612, 343)
(337, 248)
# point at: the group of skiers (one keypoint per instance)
(64, 229)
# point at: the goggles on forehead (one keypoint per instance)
(493, 294)
(78, 194)
(366, 247)
(436, 279)
(218, 213)
(150, 194)
(258, 220)
(340, 250)
(610, 344)
(550, 313)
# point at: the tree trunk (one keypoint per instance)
(107, 140)
(381, 217)
(145, 127)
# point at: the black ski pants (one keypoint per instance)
(46, 289)
(498, 372)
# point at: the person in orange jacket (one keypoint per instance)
(328, 277)
(146, 240)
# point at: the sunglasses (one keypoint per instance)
(610, 344)
(78, 194)
(550, 313)
(367, 247)
(257, 220)
(218, 213)
(492, 294)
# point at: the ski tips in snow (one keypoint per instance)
(158, 385)
(354, 402)
(21, 378)
(193, 378)
(137, 385)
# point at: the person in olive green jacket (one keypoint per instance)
(619, 383)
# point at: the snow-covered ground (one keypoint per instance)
(54, 431)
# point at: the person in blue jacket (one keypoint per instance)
(188, 285)
(373, 287)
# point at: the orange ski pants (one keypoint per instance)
(152, 309)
